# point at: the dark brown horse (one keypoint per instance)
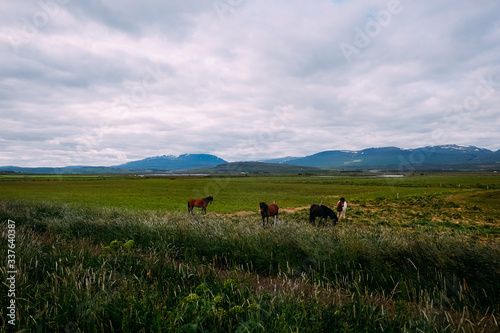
(268, 210)
(203, 203)
(323, 212)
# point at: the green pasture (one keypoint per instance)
(106, 269)
(107, 253)
(240, 193)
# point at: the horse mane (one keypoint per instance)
(331, 213)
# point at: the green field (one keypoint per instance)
(234, 194)
(119, 253)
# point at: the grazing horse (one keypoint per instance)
(322, 212)
(203, 203)
(268, 210)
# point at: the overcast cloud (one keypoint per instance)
(105, 82)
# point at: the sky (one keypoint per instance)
(107, 82)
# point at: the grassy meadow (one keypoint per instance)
(108, 253)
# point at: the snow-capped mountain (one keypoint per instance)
(170, 162)
(398, 157)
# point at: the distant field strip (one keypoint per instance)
(231, 194)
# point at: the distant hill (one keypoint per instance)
(147, 165)
(170, 162)
(88, 170)
(281, 160)
(394, 157)
(253, 167)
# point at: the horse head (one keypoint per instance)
(263, 207)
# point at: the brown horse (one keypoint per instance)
(268, 210)
(203, 203)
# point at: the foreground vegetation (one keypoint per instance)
(428, 260)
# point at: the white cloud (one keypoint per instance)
(100, 83)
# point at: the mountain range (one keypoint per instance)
(396, 157)
(437, 158)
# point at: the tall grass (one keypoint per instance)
(82, 269)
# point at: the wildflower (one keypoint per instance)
(253, 307)
(237, 310)
(218, 300)
(191, 298)
(201, 289)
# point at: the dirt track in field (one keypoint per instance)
(281, 210)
